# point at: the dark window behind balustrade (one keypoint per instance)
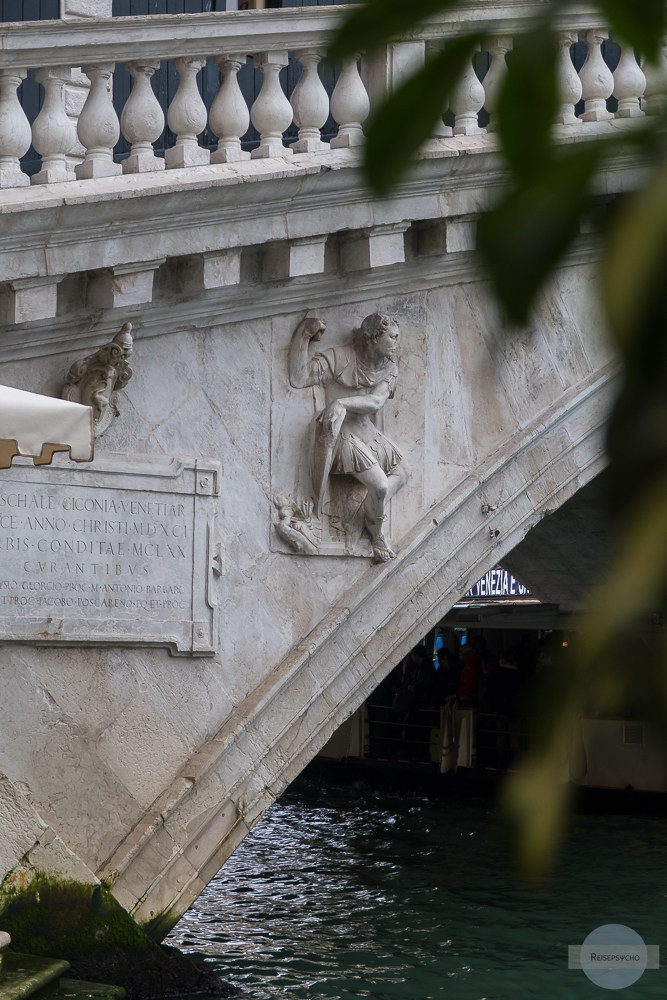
(29, 10)
(305, 3)
(165, 81)
(139, 8)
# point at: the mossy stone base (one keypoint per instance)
(25, 976)
(79, 989)
(89, 929)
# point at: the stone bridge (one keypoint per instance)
(171, 660)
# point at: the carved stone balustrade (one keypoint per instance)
(569, 83)
(53, 134)
(271, 113)
(14, 130)
(310, 102)
(349, 106)
(655, 94)
(467, 102)
(498, 48)
(98, 128)
(271, 38)
(229, 117)
(629, 84)
(142, 121)
(597, 82)
(187, 117)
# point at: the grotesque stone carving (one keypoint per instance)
(355, 469)
(296, 525)
(98, 379)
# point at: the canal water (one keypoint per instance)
(347, 892)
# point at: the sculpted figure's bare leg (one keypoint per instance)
(381, 488)
(397, 477)
(377, 484)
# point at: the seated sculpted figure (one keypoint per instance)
(357, 379)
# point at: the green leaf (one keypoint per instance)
(372, 24)
(640, 23)
(528, 101)
(636, 254)
(636, 576)
(536, 800)
(525, 235)
(406, 119)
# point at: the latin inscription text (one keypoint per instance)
(81, 552)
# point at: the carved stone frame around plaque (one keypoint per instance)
(119, 553)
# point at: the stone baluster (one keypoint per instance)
(597, 83)
(142, 120)
(229, 118)
(187, 117)
(498, 47)
(629, 84)
(440, 130)
(466, 101)
(655, 94)
(271, 113)
(98, 127)
(15, 135)
(349, 107)
(568, 81)
(310, 103)
(53, 133)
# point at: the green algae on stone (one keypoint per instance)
(161, 924)
(87, 927)
(25, 976)
(72, 920)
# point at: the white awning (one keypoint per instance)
(37, 426)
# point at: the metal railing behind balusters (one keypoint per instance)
(278, 53)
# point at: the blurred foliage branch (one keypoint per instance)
(535, 222)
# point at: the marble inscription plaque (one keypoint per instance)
(121, 552)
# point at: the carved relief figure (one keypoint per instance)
(97, 380)
(357, 380)
(296, 526)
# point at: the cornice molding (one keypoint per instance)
(89, 225)
(242, 303)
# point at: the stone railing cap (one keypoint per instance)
(168, 36)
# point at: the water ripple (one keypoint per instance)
(386, 897)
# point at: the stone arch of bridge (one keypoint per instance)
(170, 856)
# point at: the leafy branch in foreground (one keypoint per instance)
(520, 241)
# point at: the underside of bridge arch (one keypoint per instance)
(169, 857)
(567, 551)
